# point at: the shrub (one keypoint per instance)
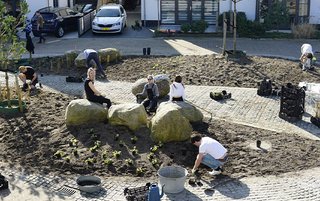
(185, 28)
(199, 26)
(303, 31)
(251, 29)
(241, 19)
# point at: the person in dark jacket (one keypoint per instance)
(28, 73)
(92, 94)
(152, 92)
(29, 44)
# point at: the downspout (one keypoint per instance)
(144, 13)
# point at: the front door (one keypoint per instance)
(189, 11)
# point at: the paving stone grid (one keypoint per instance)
(304, 186)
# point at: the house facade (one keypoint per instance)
(177, 12)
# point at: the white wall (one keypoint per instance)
(247, 6)
(35, 5)
(150, 9)
(314, 12)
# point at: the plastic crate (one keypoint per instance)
(138, 193)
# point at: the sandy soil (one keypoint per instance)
(39, 140)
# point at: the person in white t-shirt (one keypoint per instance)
(177, 90)
(306, 56)
(211, 153)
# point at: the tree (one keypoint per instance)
(277, 15)
(235, 25)
(11, 48)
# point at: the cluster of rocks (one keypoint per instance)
(171, 122)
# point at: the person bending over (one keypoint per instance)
(211, 153)
(90, 55)
(152, 92)
(177, 90)
(92, 93)
(28, 73)
(306, 56)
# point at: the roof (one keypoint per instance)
(110, 5)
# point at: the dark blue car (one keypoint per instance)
(57, 20)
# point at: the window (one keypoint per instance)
(55, 3)
(303, 8)
(183, 10)
(168, 11)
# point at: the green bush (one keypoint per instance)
(199, 26)
(251, 29)
(185, 28)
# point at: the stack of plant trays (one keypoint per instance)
(138, 193)
(292, 103)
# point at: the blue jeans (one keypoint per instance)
(94, 56)
(211, 162)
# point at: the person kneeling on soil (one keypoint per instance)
(92, 93)
(152, 92)
(28, 73)
(211, 153)
(306, 56)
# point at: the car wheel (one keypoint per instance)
(60, 32)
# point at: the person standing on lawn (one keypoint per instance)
(211, 153)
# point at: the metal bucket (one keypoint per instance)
(89, 184)
(173, 178)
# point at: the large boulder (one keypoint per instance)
(168, 125)
(80, 61)
(82, 111)
(71, 55)
(187, 110)
(162, 82)
(111, 53)
(132, 115)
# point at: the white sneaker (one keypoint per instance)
(215, 172)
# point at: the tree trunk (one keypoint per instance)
(234, 26)
(7, 84)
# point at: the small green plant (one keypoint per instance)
(73, 142)
(67, 159)
(134, 139)
(129, 161)
(134, 151)
(155, 162)
(154, 148)
(150, 156)
(59, 154)
(160, 144)
(140, 171)
(96, 146)
(105, 154)
(90, 161)
(116, 154)
(108, 162)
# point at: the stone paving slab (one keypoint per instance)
(291, 186)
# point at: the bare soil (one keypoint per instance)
(39, 141)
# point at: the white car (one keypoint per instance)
(110, 18)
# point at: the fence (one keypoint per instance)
(84, 23)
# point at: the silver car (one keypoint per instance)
(110, 18)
